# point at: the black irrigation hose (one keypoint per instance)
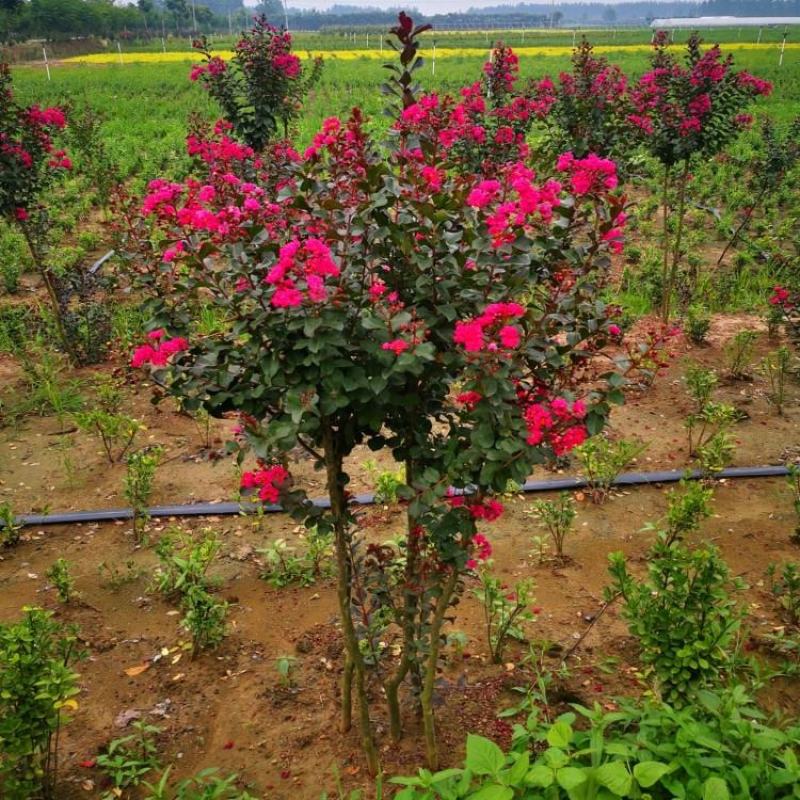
(236, 509)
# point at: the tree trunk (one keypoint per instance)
(426, 698)
(354, 672)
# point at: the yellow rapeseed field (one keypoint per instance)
(441, 52)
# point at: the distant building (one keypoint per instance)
(722, 22)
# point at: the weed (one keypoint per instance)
(739, 354)
(785, 587)
(116, 431)
(602, 461)
(206, 785)
(204, 619)
(285, 567)
(139, 475)
(114, 577)
(557, 518)
(504, 611)
(9, 527)
(285, 668)
(62, 581)
(128, 759)
(183, 562)
(700, 384)
(776, 368)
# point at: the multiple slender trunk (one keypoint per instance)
(672, 250)
(416, 621)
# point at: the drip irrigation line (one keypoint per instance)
(238, 509)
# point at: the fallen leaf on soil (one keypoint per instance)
(124, 718)
(132, 672)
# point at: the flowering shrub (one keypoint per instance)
(682, 113)
(785, 305)
(29, 163)
(588, 107)
(359, 284)
(485, 127)
(262, 89)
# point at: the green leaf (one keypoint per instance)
(540, 776)
(515, 774)
(768, 740)
(614, 776)
(484, 757)
(559, 735)
(715, 789)
(493, 792)
(648, 773)
(570, 778)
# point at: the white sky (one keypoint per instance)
(425, 6)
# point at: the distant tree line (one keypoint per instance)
(65, 19)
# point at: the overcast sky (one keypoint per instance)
(425, 6)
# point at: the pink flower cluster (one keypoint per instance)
(491, 330)
(159, 351)
(300, 273)
(213, 67)
(268, 480)
(501, 70)
(523, 202)
(487, 510)
(781, 297)
(47, 117)
(288, 64)
(482, 551)
(590, 175)
(557, 423)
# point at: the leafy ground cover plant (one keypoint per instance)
(208, 784)
(682, 615)
(128, 759)
(184, 562)
(360, 284)
(37, 691)
(603, 460)
(505, 609)
(716, 748)
(557, 518)
(284, 566)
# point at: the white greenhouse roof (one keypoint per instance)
(722, 22)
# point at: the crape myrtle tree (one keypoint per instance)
(29, 165)
(262, 89)
(588, 108)
(682, 113)
(397, 297)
